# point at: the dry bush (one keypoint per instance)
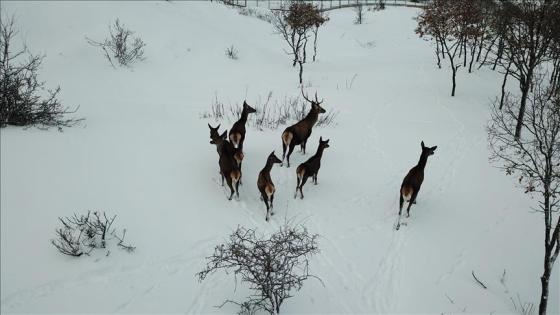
(273, 267)
(120, 47)
(24, 101)
(269, 115)
(81, 234)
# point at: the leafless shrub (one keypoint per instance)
(274, 267)
(231, 53)
(120, 48)
(81, 234)
(359, 9)
(23, 98)
(269, 115)
(248, 11)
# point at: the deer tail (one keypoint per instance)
(300, 171)
(287, 137)
(406, 192)
(235, 176)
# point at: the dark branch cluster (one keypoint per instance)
(295, 25)
(273, 267)
(24, 100)
(81, 234)
(120, 47)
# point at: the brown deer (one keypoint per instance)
(265, 185)
(300, 132)
(229, 167)
(413, 180)
(214, 133)
(237, 131)
(310, 167)
(237, 154)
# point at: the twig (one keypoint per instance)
(479, 282)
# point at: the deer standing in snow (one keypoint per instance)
(310, 167)
(237, 131)
(413, 180)
(265, 185)
(300, 132)
(229, 165)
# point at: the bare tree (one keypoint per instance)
(273, 267)
(294, 24)
(359, 9)
(526, 29)
(120, 47)
(535, 158)
(22, 102)
(440, 19)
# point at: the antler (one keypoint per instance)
(310, 101)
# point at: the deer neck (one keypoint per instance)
(319, 153)
(268, 166)
(244, 116)
(312, 116)
(422, 162)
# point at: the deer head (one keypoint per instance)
(219, 139)
(315, 104)
(272, 158)
(247, 108)
(427, 151)
(214, 131)
(323, 144)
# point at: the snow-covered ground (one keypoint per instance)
(143, 153)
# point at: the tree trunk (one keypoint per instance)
(499, 53)
(437, 54)
(300, 72)
(525, 84)
(315, 32)
(548, 245)
(454, 70)
(504, 86)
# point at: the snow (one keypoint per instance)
(143, 153)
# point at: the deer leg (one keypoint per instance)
(283, 153)
(410, 202)
(401, 201)
(222, 178)
(297, 186)
(304, 179)
(292, 146)
(265, 199)
(272, 204)
(228, 180)
(237, 187)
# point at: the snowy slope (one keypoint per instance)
(143, 154)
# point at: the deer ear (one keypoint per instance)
(217, 127)
(224, 135)
(209, 126)
(422, 144)
(321, 139)
(245, 103)
(434, 148)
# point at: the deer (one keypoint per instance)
(265, 184)
(214, 133)
(300, 132)
(413, 180)
(237, 131)
(229, 166)
(237, 154)
(310, 168)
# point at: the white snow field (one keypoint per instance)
(143, 153)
